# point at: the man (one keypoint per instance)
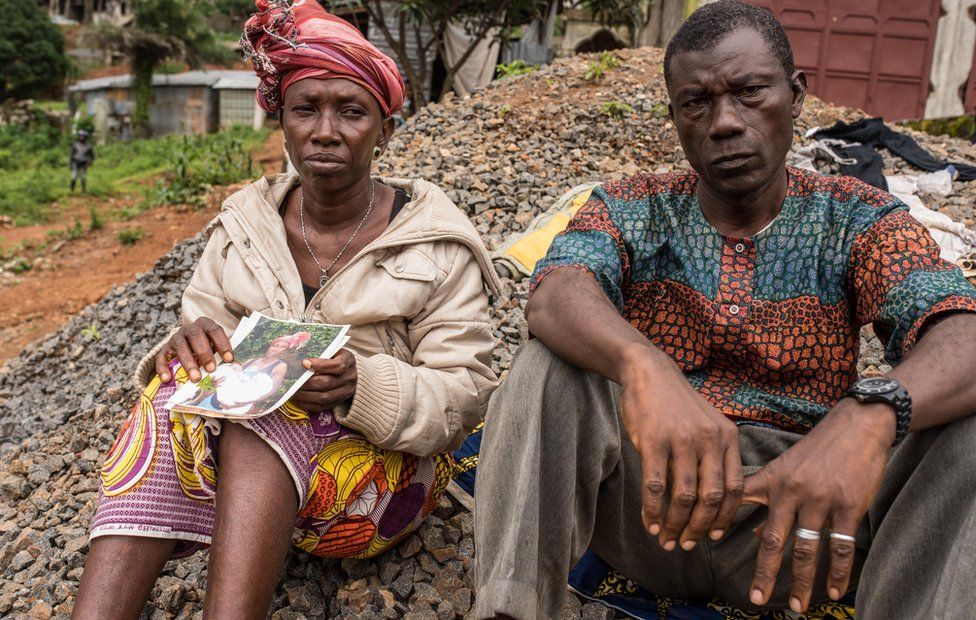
(684, 410)
(81, 156)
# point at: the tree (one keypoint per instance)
(649, 22)
(411, 17)
(161, 30)
(32, 49)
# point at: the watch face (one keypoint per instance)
(876, 385)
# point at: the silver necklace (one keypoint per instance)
(324, 278)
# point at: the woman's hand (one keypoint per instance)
(194, 346)
(334, 381)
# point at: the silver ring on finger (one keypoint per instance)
(842, 537)
(805, 534)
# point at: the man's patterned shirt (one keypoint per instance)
(766, 327)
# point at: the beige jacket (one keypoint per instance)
(415, 298)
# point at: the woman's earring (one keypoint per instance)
(377, 151)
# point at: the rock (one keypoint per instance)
(504, 155)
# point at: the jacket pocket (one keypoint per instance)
(409, 264)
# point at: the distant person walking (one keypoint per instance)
(82, 155)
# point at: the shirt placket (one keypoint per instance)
(734, 300)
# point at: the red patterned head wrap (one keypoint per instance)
(290, 41)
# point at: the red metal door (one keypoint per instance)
(871, 54)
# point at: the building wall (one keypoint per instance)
(236, 107)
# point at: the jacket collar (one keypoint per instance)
(251, 220)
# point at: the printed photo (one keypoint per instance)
(267, 368)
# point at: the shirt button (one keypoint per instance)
(740, 248)
(247, 243)
(281, 305)
(398, 268)
(733, 309)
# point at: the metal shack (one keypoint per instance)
(186, 103)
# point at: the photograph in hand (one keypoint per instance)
(266, 370)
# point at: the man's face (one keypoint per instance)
(733, 107)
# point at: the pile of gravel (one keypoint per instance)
(503, 155)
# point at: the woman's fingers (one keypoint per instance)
(343, 361)
(162, 363)
(221, 343)
(317, 401)
(185, 354)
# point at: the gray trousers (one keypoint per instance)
(557, 475)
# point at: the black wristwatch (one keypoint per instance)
(889, 391)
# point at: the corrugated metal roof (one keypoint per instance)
(245, 81)
(188, 78)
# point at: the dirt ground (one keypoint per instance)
(70, 274)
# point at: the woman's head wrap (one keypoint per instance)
(290, 41)
(293, 341)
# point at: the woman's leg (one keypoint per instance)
(119, 575)
(256, 508)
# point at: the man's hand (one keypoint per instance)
(194, 346)
(334, 381)
(826, 480)
(680, 436)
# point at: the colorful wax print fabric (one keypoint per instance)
(767, 327)
(160, 479)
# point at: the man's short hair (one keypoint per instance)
(711, 23)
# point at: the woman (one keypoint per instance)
(355, 460)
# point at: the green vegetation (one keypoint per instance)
(91, 332)
(32, 49)
(199, 164)
(131, 236)
(163, 30)
(34, 167)
(95, 222)
(616, 109)
(511, 69)
(956, 126)
(596, 69)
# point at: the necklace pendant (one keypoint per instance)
(323, 280)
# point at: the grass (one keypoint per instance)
(34, 171)
(616, 109)
(131, 236)
(604, 63)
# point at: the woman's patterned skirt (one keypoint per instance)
(160, 479)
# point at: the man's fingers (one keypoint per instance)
(655, 466)
(842, 553)
(755, 488)
(733, 492)
(711, 495)
(773, 539)
(806, 550)
(684, 495)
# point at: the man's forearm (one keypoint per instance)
(571, 315)
(940, 373)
